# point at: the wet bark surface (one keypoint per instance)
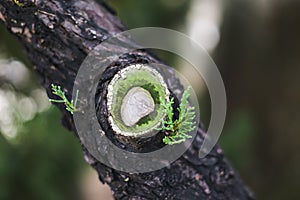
(57, 36)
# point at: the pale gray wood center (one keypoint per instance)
(136, 104)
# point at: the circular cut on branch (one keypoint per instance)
(133, 100)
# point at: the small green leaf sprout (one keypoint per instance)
(20, 4)
(177, 131)
(70, 106)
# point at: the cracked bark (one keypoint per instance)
(57, 36)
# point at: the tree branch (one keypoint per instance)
(57, 36)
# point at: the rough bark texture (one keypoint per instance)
(57, 36)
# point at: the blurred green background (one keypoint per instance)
(255, 44)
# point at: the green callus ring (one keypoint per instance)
(133, 100)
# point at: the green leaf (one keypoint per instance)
(70, 106)
(178, 130)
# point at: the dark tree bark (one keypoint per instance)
(57, 36)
